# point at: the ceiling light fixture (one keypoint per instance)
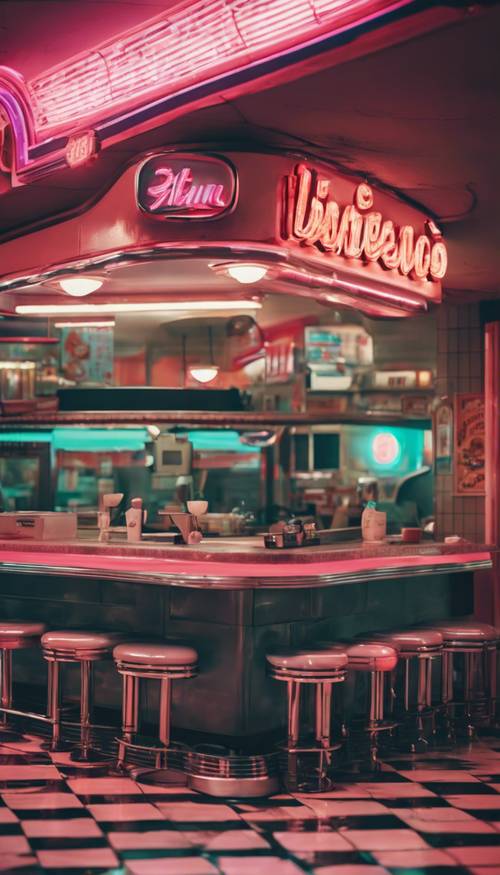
(92, 323)
(146, 307)
(246, 273)
(205, 373)
(79, 286)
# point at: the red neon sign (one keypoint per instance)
(187, 43)
(80, 148)
(185, 186)
(357, 231)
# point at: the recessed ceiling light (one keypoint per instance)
(79, 286)
(246, 273)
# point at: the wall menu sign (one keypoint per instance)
(469, 444)
(316, 215)
(174, 186)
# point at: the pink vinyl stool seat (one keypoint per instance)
(322, 667)
(14, 636)
(164, 661)
(475, 703)
(85, 648)
(418, 650)
(378, 660)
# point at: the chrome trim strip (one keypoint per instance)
(211, 582)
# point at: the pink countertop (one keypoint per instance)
(234, 562)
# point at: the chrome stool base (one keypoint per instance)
(234, 788)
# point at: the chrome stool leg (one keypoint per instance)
(164, 727)
(84, 752)
(6, 731)
(293, 700)
(6, 682)
(491, 675)
(54, 705)
(130, 715)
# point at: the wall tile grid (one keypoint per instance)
(459, 369)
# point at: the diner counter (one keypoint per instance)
(239, 563)
(234, 601)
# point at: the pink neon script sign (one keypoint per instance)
(185, 186)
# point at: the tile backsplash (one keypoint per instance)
(459, 369)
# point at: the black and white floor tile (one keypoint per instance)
(427, 814)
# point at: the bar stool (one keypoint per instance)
(13, 636)
(377, 660)
(418, 649)
(477, 643)
(166, 662)
(323, 668)
(84, 648)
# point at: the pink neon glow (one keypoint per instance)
(26, 554)
(385, 448)
(80, 148)
(183, 46)
(177, 190)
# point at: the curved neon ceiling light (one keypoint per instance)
(184, 46)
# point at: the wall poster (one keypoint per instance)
(469, 445)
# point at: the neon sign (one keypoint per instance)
(386, 448)
(80, 148)
(185, 186)
(357, 231)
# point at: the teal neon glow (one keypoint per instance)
(359, 441)
(221, 441)
(108, 439)
(92, 440)
(95, 440)
(39, 437)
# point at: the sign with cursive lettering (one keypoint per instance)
(173, 186)
(314, 216)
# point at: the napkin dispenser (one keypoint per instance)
(38, 525)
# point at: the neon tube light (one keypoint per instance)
(357, 231)
(161, 307)
(184, 46)
(81, 323)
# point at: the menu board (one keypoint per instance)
(334, 345)
(469, 445)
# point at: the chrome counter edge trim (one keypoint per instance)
(232, 583)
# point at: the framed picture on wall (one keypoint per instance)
(469, 444)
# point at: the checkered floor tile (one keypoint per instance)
(421, 814)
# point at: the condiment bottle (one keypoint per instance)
(373, 523)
